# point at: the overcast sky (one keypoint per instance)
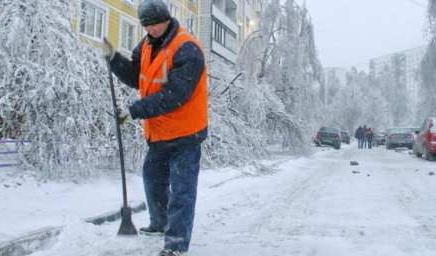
(350, 32)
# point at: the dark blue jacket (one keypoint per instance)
(188, 64)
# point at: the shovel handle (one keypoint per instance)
(117, 125)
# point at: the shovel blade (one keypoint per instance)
(127, 228)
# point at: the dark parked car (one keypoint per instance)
(425, 140)
(400, 137)
(328, 136)
(345, 137)
(379, 139)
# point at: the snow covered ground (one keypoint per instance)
(27, 205)
(307, 206)
(8, 156)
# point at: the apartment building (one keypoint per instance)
(221, 25)
(411, 63)
(117, 20)
(225, 24)
(186, 12)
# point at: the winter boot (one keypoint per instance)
(168, 252)
(151, 231)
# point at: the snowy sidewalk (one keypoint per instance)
(28, 205)
(8, 153)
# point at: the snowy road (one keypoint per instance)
(309, 206)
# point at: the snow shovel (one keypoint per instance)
(127, 227)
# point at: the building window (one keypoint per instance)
(219, 32)
(224, 36)
(174, 10)
(128, 30)
(191, 23)
(92, 20)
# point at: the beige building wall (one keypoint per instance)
(117, 20)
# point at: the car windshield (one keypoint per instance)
(401, 130)
(414, 129)
(331, 130)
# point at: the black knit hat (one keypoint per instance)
(152, 12)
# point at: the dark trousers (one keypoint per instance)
(359, 143)
(170, 180)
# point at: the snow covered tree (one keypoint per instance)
(345, 109)
(54, 92)
(333, 85)
(427, 89)
(53, 89)
(392, 83)
(399, 99)
(360, 102)
(281, 59)
(234, 134)
(376, 109)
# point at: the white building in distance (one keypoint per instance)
(412, 62)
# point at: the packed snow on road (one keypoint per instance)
(317, 205)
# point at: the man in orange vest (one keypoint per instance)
(168, 69)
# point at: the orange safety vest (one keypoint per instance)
(191, 116)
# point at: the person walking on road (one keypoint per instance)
(369, 137)
(359, 136)
(168, 69)
(364, 138)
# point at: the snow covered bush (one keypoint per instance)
(281, 67)
(53, 89)
(232, 140)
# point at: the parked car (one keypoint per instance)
(416, 130)
(425, 140)
(379, 139)
(399, 137)
(345, 137)
(328, 136)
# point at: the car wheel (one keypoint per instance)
(416, 153)
(427, 155)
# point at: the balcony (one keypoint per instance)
(229, 22)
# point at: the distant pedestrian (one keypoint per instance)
(359, 136)
(369, 137)
(365, 141)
